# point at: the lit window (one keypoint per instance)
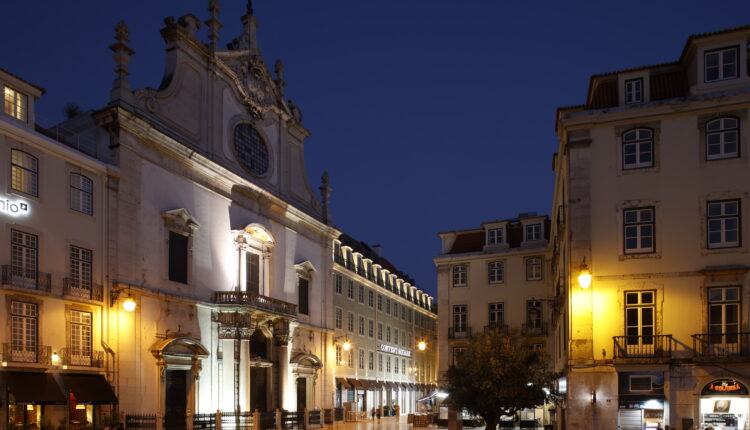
(24, 259)
(495, 236)
(80, 338)
(723, 222)
(250, 149)
(638, 230)
(24, 330)
(81, 269)
(496, 316)
(634, 91)
(533, 232)
(721, 64)
(338, 355)
(637, 148)
(722, 138)
(496, 272)
(24, 172)
(81, 194)
(534, 268)
(15, 104)
(459, 276)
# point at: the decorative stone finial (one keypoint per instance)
(121, 86)
(250, 7)
(278, 68)
(213, 24)
(325, 194)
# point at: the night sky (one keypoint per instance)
(429, 115)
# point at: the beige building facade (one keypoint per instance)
(651, 197)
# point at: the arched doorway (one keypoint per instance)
(305, 368)
(725, 403)
(179, 361)
(260, 362)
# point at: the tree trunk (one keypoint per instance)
(490, 422)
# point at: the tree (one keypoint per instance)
(498, 374)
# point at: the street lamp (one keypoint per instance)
(129, 304)
(584, 275)
(422, 345)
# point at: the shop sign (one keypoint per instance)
(13, 207)
(724, 387)
(394, 350)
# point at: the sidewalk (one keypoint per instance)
(389, 423)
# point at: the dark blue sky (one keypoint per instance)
(430, 115)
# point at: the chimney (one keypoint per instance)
(378, 249)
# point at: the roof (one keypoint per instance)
(368, 252)
(692, 37)
(474, 240)
(42, 90)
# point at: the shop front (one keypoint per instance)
(642, 403)
(725, 404)
(33, 400)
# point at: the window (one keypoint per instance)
(338, 355)
(339, 318)
(495, 272)
(724, 315)
(497, 311)
(637, 148)
(24, 172)
(361, 361)
(395, 336)
(80, 268)
(457, 353)
(361, 293)
(410, 315)
(533, 314)
(178, 257)
(303, 286)
(380, 331)
(338, 282)
(16, 104)
(251, 150)
(81, 194)
(638, 230)
(380, 302)
(388, 364)
(495, 236)
(371, 361)
(721, 64)
(350, 358)
(534, 268)
(361, 327)
(252, 272)
(24, 258)
(388, 334)
(370, 298)
(350, 289)
(459, 319)
(533, 232)
(80, 338)
(371, 328)
(380, 362)
(350, 322)
(403, 366)
(388, 306)
(634, 91)
(639, 318)
(722, 138)
(24, 329)
(395, 365)
(459, 276)
(403, 313)
(395, 309)
(723, 222)
(641, 383)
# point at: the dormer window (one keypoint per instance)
(495, 236)
(634, 91)
(16, 104)
(533, 232)
(721, 64)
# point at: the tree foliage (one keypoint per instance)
(498, 375)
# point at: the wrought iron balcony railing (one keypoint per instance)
(722, 345)
(254, 300)
(82, 289)
(535, 329)
(460, 332)
(497, 326)
(28, 279)
(71, 358)
(653, 346)
(22, 353)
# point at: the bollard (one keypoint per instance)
(257, 425)
(307, 418)
(189, 421)
(278, 419)
(159, 421)
(217, 419)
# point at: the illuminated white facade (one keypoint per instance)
(651, 195)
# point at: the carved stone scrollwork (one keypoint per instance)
(236, 325)
(282, 332)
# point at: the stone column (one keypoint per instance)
(282, 334)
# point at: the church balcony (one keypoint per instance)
(257, 301)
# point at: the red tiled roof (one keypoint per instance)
(468, 242)
(669, 85)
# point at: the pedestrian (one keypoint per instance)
(377, 414)
(373, 414)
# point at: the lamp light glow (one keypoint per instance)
(55, 358)
(584, 275)
(347, 346)
(129, 304)
(422, 345)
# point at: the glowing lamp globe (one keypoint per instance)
(422, 345)
(129, 304)
(347, 346)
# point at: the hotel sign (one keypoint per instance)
(13, 207)
(394, 350)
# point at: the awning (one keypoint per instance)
(387, 384)
(376, 385)
(37, 388)
(89, 389)
(357, 384)
(429, 396)
(344, 383)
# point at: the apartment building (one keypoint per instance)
(56, 361)
(384, 332)
(650, 206)
(493, 277)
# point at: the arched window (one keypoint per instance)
(722, 138)
(251, 150)
(254, 244)
(638, 148)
